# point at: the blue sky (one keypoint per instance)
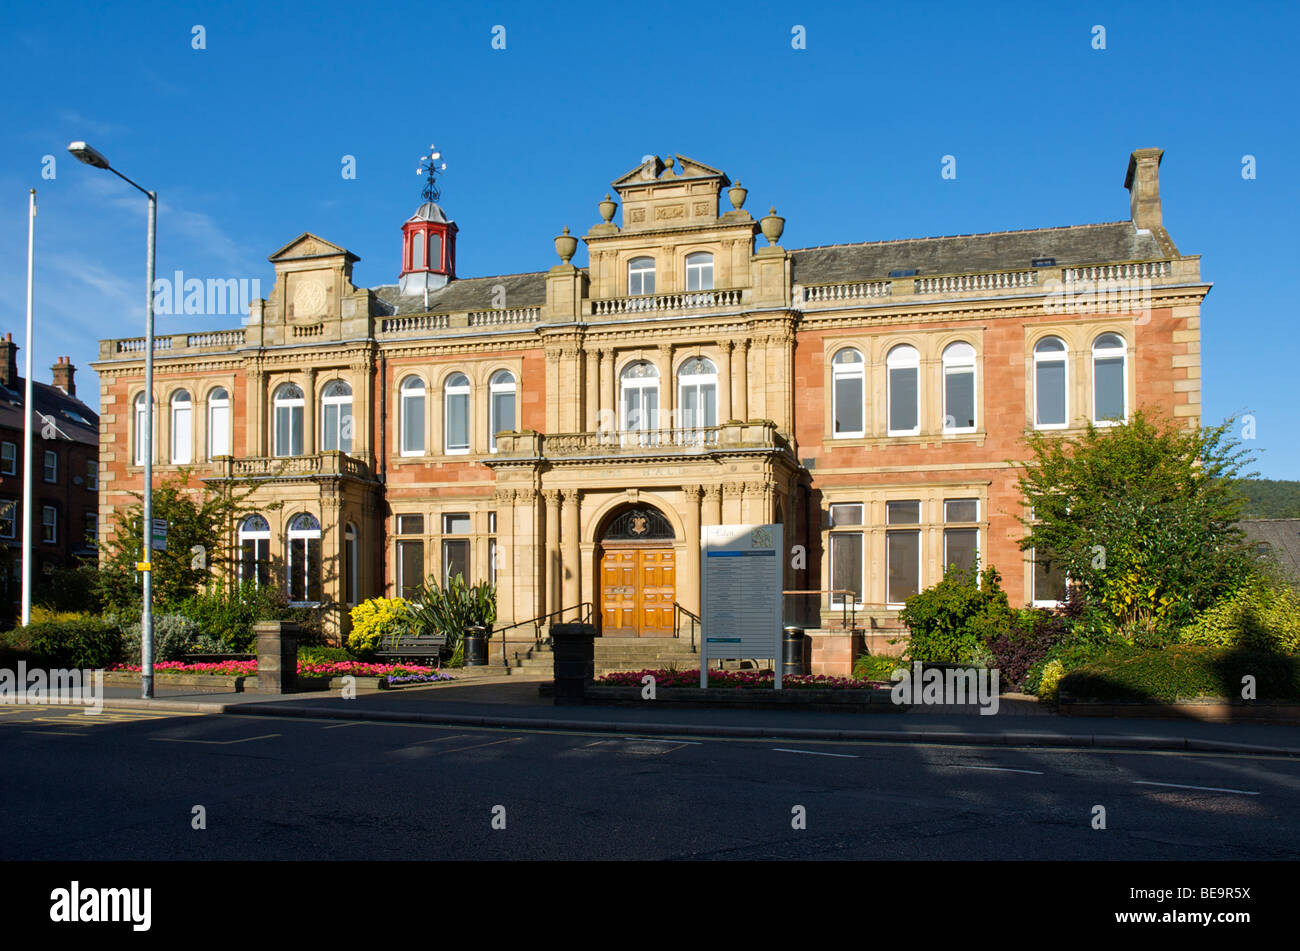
(244, 142)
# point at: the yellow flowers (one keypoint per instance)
(377, 618)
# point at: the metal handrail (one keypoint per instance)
(585, 607)
(848, 605)
(678, 610)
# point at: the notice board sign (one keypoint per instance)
(740, 594)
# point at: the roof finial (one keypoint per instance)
(430, 167)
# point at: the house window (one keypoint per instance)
(697, 388)
(351, 565)
(8, 458)
(455, 551)
(92, 474)
(182, 427)
(51, 466)
(456, 407)
(49, 523)
(902, 551)
(1109, 393)
(847, 544)
(1050, 382)
(501, 398)
(141, 428)
(959, 388)
(288, 420)
(1049, 580)
(699, 271)
(904, 398)
(410, 556)
(412, 423)
(92, 528)
(961, 539)
(8, 517)
(304, 568)
(848, 389)
(640, 276)
(640, 402)
(255, 550)
(218, 423)
(336, 417)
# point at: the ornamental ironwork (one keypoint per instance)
(639, 524)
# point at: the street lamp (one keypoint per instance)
(89, 156)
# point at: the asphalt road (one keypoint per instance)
(124, 785)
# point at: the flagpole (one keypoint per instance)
(28, 411)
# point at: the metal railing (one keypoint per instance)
(584, 610)
(848, 605)
(679, 614)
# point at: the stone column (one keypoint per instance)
(553, 390)
(255, 429)
(551, 592)
(361, 397)
(740, 392)
(664, 364)
(506, 560)
(712, 512)
(592, 358)
(688, 575)
(571, 562)
(608, 393)
(309, 414)
(724, 382)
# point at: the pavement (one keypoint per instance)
(514, 703)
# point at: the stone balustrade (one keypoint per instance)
(317, 465)
(665, 303)
(755, 434)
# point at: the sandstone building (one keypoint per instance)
(567, 432)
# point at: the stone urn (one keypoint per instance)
(772, 225)
(737, 195)
(566, 244)
(607, 209)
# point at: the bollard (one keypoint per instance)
(277, 656)
(574, 646)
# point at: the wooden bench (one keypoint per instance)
(412, 647)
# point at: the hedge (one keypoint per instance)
(1184, 672)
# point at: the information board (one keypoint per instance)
(740, 594)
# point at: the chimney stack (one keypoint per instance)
(63, 371)
(1143, 184)
(9, 362)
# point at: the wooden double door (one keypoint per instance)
(638, 587)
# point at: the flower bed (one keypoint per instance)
(740, 679)
(395, 674)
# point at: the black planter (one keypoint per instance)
(476, 647)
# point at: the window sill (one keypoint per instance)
(923, 440)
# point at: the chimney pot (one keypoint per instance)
(63, 371)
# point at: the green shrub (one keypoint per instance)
(375, 619)
(1184, 672)
(947, 621)
(1049, 680)
(323, 655)
(876, 666)
(83, 643)
(1258, 616)
(227, 616)
(173, 637)
(1074, 654)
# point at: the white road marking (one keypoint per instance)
(1243, 792)
(247, 739)
(999, 769)
(476, 746)
(777, 749)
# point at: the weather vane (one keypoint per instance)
(430, 167)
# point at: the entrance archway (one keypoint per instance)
(638, 573)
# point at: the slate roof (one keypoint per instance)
(75, 419)
(995, 251)
(1282, 535)
(467, 294)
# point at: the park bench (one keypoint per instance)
(411, 647)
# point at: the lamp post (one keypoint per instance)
(84, 153)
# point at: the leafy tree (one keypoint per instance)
(1142, 519)
(1271, 498)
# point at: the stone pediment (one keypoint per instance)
(308, 245)
(654, 169)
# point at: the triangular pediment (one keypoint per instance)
(308, 245)
(653, 169)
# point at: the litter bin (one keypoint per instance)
(792, 652)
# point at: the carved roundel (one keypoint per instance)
(308, 298)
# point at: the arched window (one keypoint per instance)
(182, 427)
(288, 420)
(699, 271)
(959, 388)
(218, 423)
(501, 392)
(456, 413)
(255, 550)
(640, 399)
(435, 252)
(641, 276)
(904, 367)
(1109, 380)
(336, 417)
(848, 393)
(141, 428)
(350, 565)
(412, 413)
(1050, 384)
(303, 563)
(417, 250)
(697, 397)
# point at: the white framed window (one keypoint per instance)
(255, 550)
(640, 276)
(959, 388)
(1049, 581)
(961, 535)
(351, 565)
(182, 428)
(848, 394)
(847, 548)
(288, 404)
(51, 468)
(640, 397)
(699, 271)
(92, 474)
(501, 405)
(412, 416)
(218, 423)
(303, 564)
(141, 415)
(8, 517)
(8, 458)
(336, 417)
(1051, 384)
(1109, 380)
(904, 391)
(902, 551)
(697, 395)
(49, 523)
(455, 551)
(456, 414)
(410, 556)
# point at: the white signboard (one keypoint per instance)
(740, 593)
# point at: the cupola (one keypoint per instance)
(428, 236)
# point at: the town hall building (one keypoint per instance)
(567, 432)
